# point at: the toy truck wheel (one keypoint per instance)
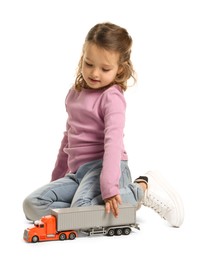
(127, 231)
(118, 231)
(62, 236)
(111, 232)
(72, 236)
(35, 239)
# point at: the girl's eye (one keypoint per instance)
(106, 70)
(88, 64)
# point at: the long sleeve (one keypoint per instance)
(113, 108)
(61, 166)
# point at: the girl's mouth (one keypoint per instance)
(94, 80)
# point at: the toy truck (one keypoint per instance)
(67, 222)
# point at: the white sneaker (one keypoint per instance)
(164, 200)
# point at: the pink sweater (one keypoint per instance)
(95, 125)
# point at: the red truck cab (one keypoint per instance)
(45, 229)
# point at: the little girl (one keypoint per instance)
(91, 166)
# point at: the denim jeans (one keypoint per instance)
(79, 189)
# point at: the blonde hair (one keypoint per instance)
(111, 37)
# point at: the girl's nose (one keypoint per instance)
(95, 73)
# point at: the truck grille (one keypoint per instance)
(25, 234)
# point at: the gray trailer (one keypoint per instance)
(94, 220)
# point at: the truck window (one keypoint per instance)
(40, 225)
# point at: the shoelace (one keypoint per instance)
(158, 206)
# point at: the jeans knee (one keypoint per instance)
(27, 208)
(30, 209)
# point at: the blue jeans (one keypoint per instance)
(79, 189)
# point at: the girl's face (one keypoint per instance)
(99, 66)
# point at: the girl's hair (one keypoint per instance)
(111, 37)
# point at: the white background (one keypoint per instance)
(40, 46)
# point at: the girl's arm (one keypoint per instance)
(61, 166)
(113, 110)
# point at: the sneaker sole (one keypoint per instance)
(172, 194)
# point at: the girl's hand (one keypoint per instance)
(112, 204)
